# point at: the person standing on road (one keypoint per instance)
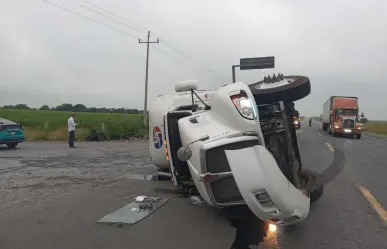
(310, 122)
(71, 128)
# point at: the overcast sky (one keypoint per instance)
(50, 56)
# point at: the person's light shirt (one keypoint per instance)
(71, 124)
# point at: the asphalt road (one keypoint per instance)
(51, 197)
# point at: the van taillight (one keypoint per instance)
(166, 150)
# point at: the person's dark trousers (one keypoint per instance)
(71, 138)
(248, 232)
(249, 229)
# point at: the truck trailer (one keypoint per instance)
(340, 116)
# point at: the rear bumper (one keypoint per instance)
(11, 140)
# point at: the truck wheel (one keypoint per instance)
(298, 87)
(12, 145)
(312, 182)
(358, 136)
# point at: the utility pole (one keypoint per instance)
(146, 75)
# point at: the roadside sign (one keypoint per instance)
(256, 63)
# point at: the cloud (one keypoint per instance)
(50, 56)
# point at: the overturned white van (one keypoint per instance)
(236, 145)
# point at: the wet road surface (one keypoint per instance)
(51, 197)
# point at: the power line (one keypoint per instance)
(165, 53)
(92, 20)
(123, 23)
(111, 13)
(188, 57)
(161, 39)
(107, 26)
(130, 35)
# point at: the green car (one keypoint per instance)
(11, 133)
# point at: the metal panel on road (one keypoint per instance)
(257, 63)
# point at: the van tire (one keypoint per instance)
(12, 145)
(298, 89)
(313, 184)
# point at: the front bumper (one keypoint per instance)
(11, 140)
(254, 175)
(347, 131)
(265, 189)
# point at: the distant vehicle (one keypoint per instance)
(361, 126)
(296, 122)
(340, 116)
(11, 133)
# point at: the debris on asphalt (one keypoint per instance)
(195, 200)
(140, 198)
(140, 208)
(324, 241)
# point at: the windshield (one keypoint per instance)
(342, 111)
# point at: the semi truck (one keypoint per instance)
(340, 116)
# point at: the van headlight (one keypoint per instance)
(244, 105)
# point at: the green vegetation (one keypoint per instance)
(379, 127)
(52, 125)
(74, 108)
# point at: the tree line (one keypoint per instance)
(75, 108)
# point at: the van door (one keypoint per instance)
(179, 170)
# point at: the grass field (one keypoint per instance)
(379, 127)
(52, 125)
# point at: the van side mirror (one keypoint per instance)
(184, 153)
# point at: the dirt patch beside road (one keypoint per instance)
(52, 196)
(37, 171)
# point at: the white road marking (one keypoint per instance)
(330, 147)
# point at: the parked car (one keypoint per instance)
(11, 133)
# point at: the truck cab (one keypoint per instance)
(340, 116)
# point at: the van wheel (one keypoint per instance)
(12, 145)
(298, 87)
(312, 183)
